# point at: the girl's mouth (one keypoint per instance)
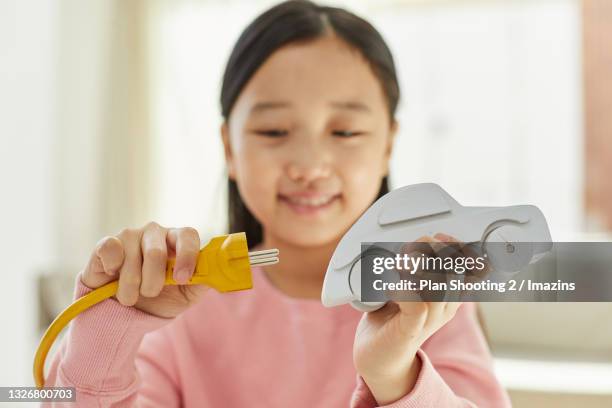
(309, 205)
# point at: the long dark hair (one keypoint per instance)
(290, 21)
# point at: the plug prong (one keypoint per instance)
(264, 257)
(271, 261)
(272, 251)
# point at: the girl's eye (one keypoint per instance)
(346, 133)
(272, 132)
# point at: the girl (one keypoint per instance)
(308, 97)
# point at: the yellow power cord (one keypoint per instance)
(223, 264)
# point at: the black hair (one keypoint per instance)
(287, 22)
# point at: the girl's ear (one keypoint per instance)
(227, 150)
(390, 144)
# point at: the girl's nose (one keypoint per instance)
(308, 165)
(307, 172)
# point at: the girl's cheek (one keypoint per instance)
(365, 161)
(255, 155)
(361, 171)
(257, 178)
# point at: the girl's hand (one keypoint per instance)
(137, 258)
(387, 340)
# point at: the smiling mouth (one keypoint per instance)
(307, 205)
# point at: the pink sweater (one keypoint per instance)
(256, 348)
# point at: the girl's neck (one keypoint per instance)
(301, 270)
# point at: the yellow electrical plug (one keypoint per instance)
(223, 264)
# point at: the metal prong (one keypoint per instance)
(261, 258)
(272, 251)
(264, 257)
(262, 262)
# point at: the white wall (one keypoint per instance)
(52, 62)
(28, 53)
(492, 103)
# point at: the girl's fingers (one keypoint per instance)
(474, 274)
(154, 258)
(447, 238)
(109, 251)
(186, 244)
(104, 262)
(130, 274)
(421, 245)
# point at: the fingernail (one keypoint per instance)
(105, 267)
(181, 276)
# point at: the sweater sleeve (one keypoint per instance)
(456, 370)
(98, 357)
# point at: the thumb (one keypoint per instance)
(104, 263)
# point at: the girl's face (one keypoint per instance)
(308, 141)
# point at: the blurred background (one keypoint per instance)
(109, 117)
